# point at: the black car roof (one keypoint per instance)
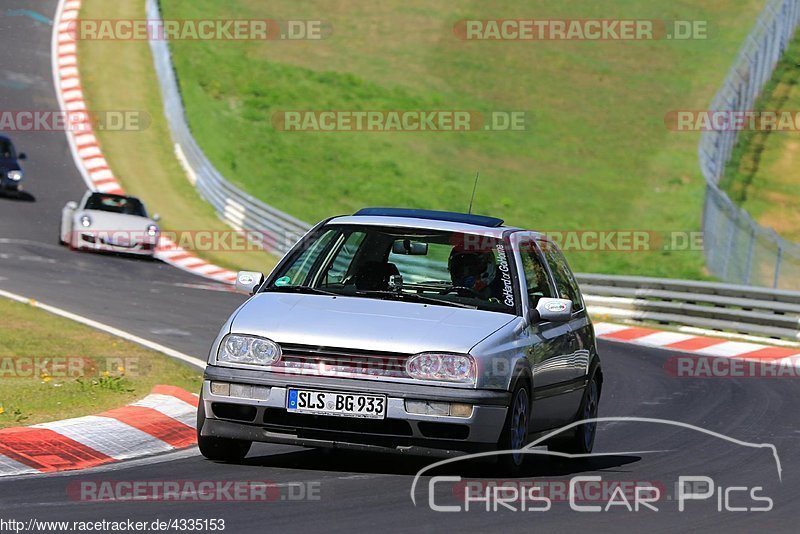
(465, 218)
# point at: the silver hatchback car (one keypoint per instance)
(413, 331)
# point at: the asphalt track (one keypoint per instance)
(362, 491)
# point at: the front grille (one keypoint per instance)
(349, 363)
(282, 420)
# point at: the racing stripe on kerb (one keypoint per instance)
(109, 436)
(155, 423)
(46, 450)
(161, 422)
(170, 407)
(86, 149)
(702, 345)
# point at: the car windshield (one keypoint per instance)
(116, 204)
(7, 149)
(408, 264)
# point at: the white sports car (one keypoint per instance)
(109, 223)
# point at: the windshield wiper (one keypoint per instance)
(414, 297)
(305, 290)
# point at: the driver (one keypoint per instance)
(473, 270)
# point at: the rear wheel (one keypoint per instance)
(582, 440)
(515, 431)
(219, 449)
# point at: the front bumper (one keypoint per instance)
(268, 420)
(100, 243)
(10, 185)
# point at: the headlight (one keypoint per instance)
(86, 221)
(152, 230)
(15, 175)
(446, 367)
(248, 349)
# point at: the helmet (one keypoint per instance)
(473, 270)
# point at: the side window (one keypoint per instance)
(340, 267)
(536, 281)
(565, 281)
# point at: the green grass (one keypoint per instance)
(88, 371)
(119, 75)
(762, 175)
(596, 154)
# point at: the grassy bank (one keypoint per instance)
(762, 176)
(596, 154)
(119, 75)
(52, 368)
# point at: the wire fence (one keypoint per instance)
(737, 248)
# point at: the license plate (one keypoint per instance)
(337, 404)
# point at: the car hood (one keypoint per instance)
(367, 324)
(105, 220)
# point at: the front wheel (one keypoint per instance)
(515, 431)
(223, 449)
(219, 449)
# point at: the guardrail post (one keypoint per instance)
(750, 249)
(731, 240)
(778, 258)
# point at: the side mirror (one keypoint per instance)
(549, 309)
(156, 217)
(22, 155)
(72, 205)
(248, 281)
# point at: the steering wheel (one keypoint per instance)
(462, 291)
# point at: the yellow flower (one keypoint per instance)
(121, 369)
(106, 373)
(2, 410)
(46, 379)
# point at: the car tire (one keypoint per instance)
(219, 449)
(515, 430)
(582, 439)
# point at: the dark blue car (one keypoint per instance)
(10, 172)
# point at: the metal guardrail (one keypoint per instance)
(732, 308)
(737, 248)
(275, 230)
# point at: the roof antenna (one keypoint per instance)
(474, 187)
